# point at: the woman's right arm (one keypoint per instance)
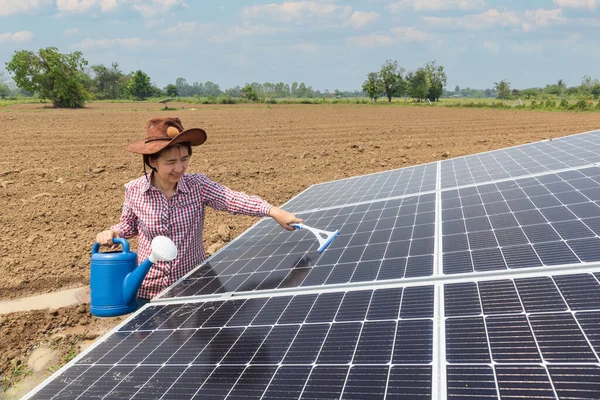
(126, 228)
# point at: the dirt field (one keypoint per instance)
(62, 174)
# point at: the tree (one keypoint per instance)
(5, 89)
(561, 85)
(50, 74)
(438, 79)
(171, 90)
(250, 93)
(139, 86)
(419, 84)
(502, 89)
(373, 86)
(394, 84)
(109, 82)
(457, 89)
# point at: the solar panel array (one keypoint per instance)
(476, 277)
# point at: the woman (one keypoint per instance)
(169, 202)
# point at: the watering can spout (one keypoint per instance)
(163, 249)
(134, 280)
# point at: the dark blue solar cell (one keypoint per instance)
(450, 203)
(271, 311)
(517, 382)
(452, 227)
(385, 304)
(521, 257)
(195, 344)
(457, 263)
(375, 344)
(545, 201)
(590, 323)
(325, 382)
(511, 339)
(560, 339)
(455, 243)
(482, 240)
(541, 233)
(555, 253)
(374, 252)
(417, 302)
(521, 205)
(392, 268)
(554, 214)
(419, 266)
(474, 211)
(513, 194)
(317, 276)
(219, 383)
(247, 344)
(298, 309)
(253, 382)
(425, 218)
(452, 214)
(351, 254)
(340, 343)
(535, 190)
(423, 231)
(461, 299)
(471, 200)
(275, 346)
(325, 307)
(398, 249)
(588, 250)
(592, 193)
(488, 260)
(414, 342)
(530, 217)
(409, 383)
(382, 236)
(287, 383)
(496, 208)
(491, 197)
(580, 381)
(366, 382)
(572, 230)
(341, 273)
(466, 341)
(510, 237)
(585, 210)
(581, 291)
(419, 247)
(540, 294)
(499, 297)
(478, 224)
(500, 221)
(307, 343)
(354, 306)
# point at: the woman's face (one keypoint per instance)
(171, 164)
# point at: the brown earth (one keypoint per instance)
(62, 174)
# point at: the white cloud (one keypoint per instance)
(183, 28)
(491, 46)
(150, 9)
(436, 5)
(128, 43)
(71, 32)
(297, 12)
(493, 18)
(398, 34)
(18, 37)
(591, 4)
(305, 47)
(10, 7)
(573, 39)
(409, 34)
(358, 19)
(527, 47)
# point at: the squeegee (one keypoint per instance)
(324, 237)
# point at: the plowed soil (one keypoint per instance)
(62, 174)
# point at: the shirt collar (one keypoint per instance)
(182, 185)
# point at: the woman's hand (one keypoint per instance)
(105, 238)
(284, 218)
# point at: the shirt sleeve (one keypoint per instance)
(221, 198)
(128, 225)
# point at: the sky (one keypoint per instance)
(331, 44)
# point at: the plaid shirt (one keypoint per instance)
(148, 213)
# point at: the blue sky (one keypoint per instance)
(329, 44)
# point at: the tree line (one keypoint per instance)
(67, 81)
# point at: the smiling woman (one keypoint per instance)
(169, 202)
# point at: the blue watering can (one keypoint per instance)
(115, 277)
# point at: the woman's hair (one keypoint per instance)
(148, 157)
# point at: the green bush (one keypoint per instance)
(534, 104)
(228, 100)
(581, 105)
(271, 101)
(550, 104)
(564, 104)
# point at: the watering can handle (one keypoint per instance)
(123, 242)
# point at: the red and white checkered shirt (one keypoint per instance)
(148, 213)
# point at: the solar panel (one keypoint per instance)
(545, 220)
(535, 337)
(354, 344)
(390, 239)
(482, 281)
(567, 152)
(366, 188)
